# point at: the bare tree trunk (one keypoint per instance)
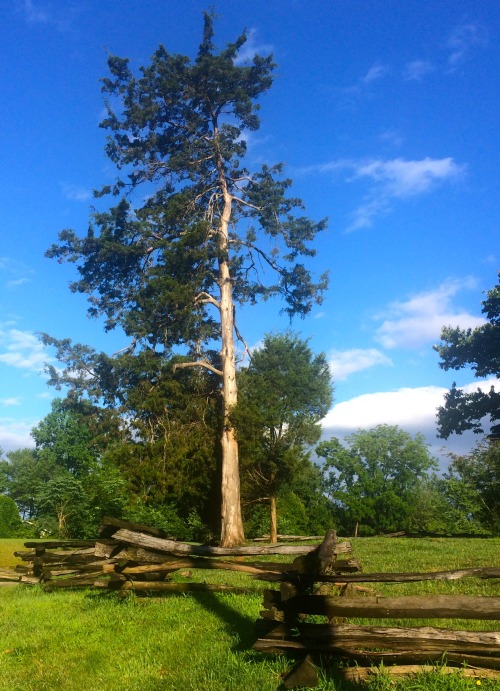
(231, 522)
(274, 519)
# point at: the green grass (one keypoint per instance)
(92, 641)
(7, 549)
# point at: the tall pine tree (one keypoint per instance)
(207, 234)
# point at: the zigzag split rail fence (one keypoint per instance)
(317, 584)
(315, 589)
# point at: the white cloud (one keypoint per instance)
(10, 401)
(420, 319)
(390, 180)
(34, 13)
(22, 349)
(401, 178)
(15, 434)
(18, 271)
(251, 48)
(344, 363)
(414, 410)
(405, 407)
(463, 40)
(376, 71)
(417, 70)
(16, 282)
(46, 13)
(75, 192)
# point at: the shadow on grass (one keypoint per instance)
(237, 625)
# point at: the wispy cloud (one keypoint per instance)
(18, 272)
(401, 178)
(15, 434)
(75, 192)
(22, 350)
(362, 86)
(390, 180)
(376, 72)
(46, 13)
(34, 13)
(463, 40)
(14, 400)
(346, 362)
(251, 48)
(417, 70)
(419, 320)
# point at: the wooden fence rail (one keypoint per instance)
(321, 581)
(283, 626)
(134, 557)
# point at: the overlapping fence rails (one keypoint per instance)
(134, 557)
(284, 628)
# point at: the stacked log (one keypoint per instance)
(130, 557)
(284, 626)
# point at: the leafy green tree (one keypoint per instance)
(372, 478)
(63, 439)
(25, 473)
(65, 482)
(10, 520)
(474, 480)
(284, 393)
(162, 434)
(207, 233)
(64, 497)
(478, 348)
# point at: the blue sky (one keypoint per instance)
(386, 116)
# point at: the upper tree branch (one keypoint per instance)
(206, 297)
(198, 363)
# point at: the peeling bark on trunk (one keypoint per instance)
(231, 522)
(274, 520)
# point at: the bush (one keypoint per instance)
(163, 516)
(10, 521)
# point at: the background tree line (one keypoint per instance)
(151, 455)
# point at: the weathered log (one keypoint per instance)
(106, 548)
(266, 538)
(358, 675)
(8, 575)
(110, 525)
(64, 544)
(192, 563)
(30, 580)
(419, 606)
(331, 637)
(182, 549)
(169, 587)
(483, 573)
(86, 581)
(92, 567)
(59, 559)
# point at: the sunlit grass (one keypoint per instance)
(7, 549)
(93, 641)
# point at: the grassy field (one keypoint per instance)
(90, 641)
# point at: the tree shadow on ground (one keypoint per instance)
(237, 625)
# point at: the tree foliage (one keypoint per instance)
(475, 479)
(284, 393)
(479, 349)
(373, 476)
(206, 234)
(10, 520)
